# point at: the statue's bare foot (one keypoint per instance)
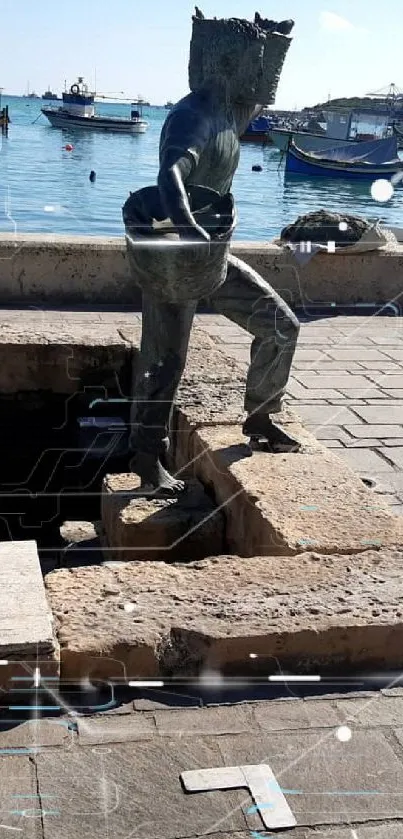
(265, 435)
(155, 479)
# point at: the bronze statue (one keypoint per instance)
(234, 70)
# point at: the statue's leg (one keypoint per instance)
(165, 337)
(248, 300)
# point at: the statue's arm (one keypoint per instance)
(180, 150)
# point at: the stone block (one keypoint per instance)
(210, 401)
(311, 612)
(62, 357)
(288, 503)
(140, 528)
(26, 630)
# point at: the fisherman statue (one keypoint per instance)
(234, 70)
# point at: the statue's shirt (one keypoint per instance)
(207, 136)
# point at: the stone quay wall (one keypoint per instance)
(94, 270)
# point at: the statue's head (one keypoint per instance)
(243, 57)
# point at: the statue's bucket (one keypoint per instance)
(164, 265)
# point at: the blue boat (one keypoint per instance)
(355, 161)
(259, 130)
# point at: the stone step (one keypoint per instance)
(282, 503)
(27, 640)
(141, 528)
(63, 356)
(307, 613)
(55, 351)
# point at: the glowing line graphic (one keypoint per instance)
(295, 678)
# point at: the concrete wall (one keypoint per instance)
(73, 270)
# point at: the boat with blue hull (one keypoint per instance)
(259, 131)
(78, 111)
(355, 161)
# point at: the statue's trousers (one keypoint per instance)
(246, 299)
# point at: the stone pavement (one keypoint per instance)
(347, 386)
(337, 758)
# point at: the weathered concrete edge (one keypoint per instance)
(167, 643)
(83, 269)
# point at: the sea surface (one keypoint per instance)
(46, 189)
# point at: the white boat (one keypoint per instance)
(342, 127)
(78, 111)
(304, 140)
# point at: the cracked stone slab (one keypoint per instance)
(141, 528)
(326, 782)
(288, 503)
(155, 618)
(17, 774)
(125, 791)
(26, 628)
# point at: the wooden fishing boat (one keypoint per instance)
(363, 160)
(78, 111)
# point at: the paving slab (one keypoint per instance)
(26, 629)
(115, 729)
(395, 455)
(285, 503)
(387, 414)
(141, 528)
(288, 714)
(18, 779)
(308, 612)
(216, 721)
(385, 830)
(376, 711)
(366, 461)
(380, 431)
(125, 791)
(34, 733)
(324, 780)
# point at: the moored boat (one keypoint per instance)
(78, 111)
(304, 140)
(258, 131)
(49, 95)
(363, 160)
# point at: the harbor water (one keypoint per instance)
(46, 189)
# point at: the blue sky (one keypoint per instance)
(345, 47)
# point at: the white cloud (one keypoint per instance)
(335, 23)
